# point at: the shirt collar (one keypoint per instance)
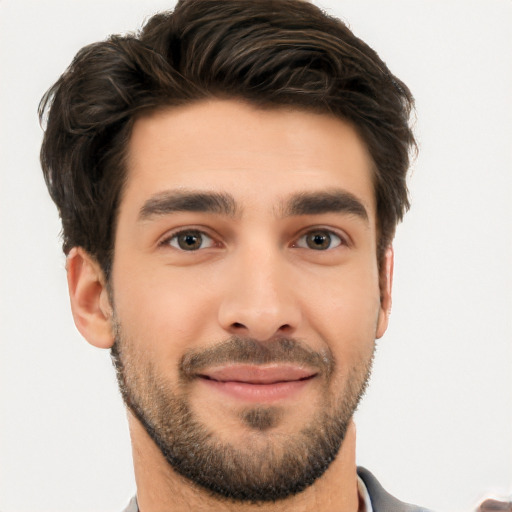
(363, 492)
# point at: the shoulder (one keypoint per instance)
(381, 500)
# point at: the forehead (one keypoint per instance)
(259, 156)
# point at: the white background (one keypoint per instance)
(436, 426)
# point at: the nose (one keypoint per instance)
(259, 300)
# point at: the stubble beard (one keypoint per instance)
(277, 466)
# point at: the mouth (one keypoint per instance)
(261, 384)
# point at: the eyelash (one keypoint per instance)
(191, 232)
(321, 232)
(339, 239)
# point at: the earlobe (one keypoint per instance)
(89, 298)
(386, 285)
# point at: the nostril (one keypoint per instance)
(238, 325)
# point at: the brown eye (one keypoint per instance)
(319, 240)
(191, 240)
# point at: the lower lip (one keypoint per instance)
(258, 393)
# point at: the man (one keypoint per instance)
(229, 182)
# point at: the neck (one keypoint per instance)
(159, 486)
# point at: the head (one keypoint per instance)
(229, 182)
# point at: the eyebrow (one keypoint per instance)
(304, 203)
(331, 201)
(185, 201)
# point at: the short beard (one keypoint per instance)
(270, 466)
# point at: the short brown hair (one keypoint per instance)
(268, 52)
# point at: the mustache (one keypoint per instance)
(243, 350)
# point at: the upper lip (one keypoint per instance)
(255, 374)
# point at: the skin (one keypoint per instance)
(254, 276)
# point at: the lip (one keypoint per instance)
(258, 383)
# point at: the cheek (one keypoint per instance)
(163, 311)
(345, 312)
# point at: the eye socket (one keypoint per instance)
(190, 240)
(319, 240)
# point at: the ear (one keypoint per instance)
(89, 298)
(386, 285)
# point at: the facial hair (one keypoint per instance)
(276, 467)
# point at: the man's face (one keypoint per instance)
(246, 291)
